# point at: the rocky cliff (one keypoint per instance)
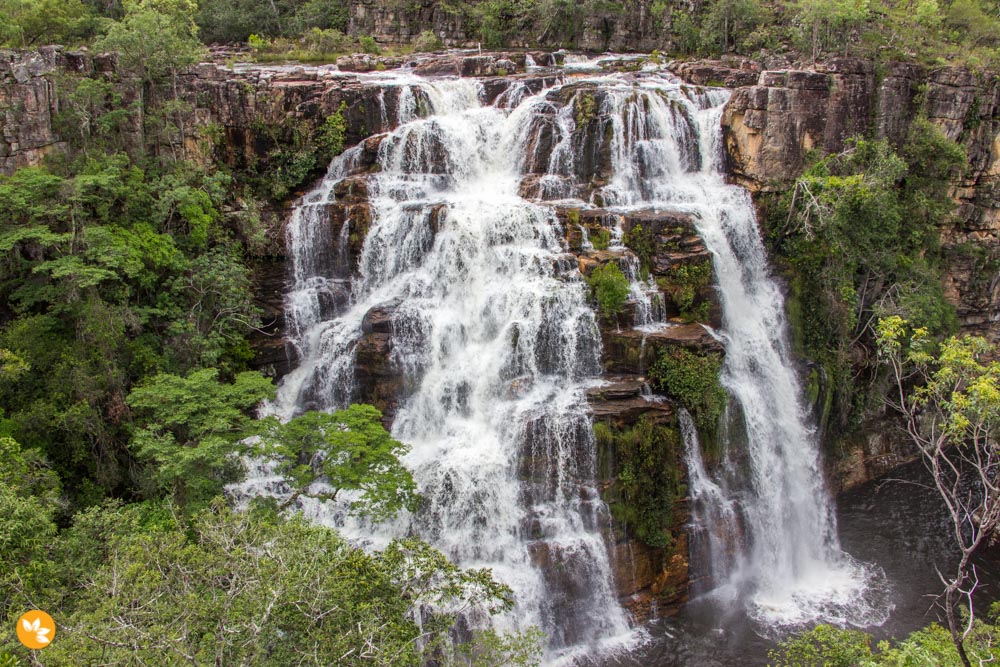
(771, 126)
(244, 117)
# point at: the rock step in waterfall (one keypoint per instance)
(452, 264)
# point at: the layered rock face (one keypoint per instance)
(240, 116)
(650, 580)
(771, 126)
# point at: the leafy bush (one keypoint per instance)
(600, 238)
(369, 45)
(347, 450)
(693, 380)
(610, 288)
(826, 646)
(647, 485)
(683, 284)
(326, 42)
(427, 41)
(642, 243)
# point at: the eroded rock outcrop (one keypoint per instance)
(771, 126)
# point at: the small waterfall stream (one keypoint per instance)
(494, 333)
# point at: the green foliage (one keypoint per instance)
(369, 45)
(11, 366)
(29, 500)
(251, 588)
(859, 236)
(347, 450)
(727, 23)
(298, 151)
(642, 242)
(189, 429)
(647, 481)
(33, 23)
(610, 288)
(600, 238)
(693, 380)
(585, 109)
(427, 41)
(826, 646)
(256, 42)
(154, 38)
(684, 284)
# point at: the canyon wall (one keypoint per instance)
(244, 117)
(770, 128)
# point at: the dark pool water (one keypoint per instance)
(897, 523)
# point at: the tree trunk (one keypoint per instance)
(815, 41)
(956, 636)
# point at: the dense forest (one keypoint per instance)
(960, 31)
(127, 400)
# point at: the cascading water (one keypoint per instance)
(491, 323)
(493, 332)
(665, 151)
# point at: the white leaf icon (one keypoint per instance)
(26, 625)
(43, 631)
(41, 639)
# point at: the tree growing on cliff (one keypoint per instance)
(348, 450)
(155, 41)
(950, 403)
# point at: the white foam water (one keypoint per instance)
(780, 553)
(495, 338)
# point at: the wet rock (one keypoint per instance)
(625, 400)
(379, 319)
(652, 583)
(478, 65)
(366, 62)
(635, 352)
(351, 190)
(673, 236)
(377, 380)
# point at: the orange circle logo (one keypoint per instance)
(36, 629)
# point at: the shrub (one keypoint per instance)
(427, 41)
(683, 284)
(693, 380)
(369, 45)
(610, 289)
(647, 477)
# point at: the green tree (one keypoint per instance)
(190, 428)
(251, 588)
(29, 501)
(155, 41)
(832, 21)
(824, 646)
(950, 404)
(348, 450)
(727, 22)
(859, 235)
(32, 23)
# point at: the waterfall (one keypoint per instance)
(492, 326)
(788, 568)
(496, 341)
